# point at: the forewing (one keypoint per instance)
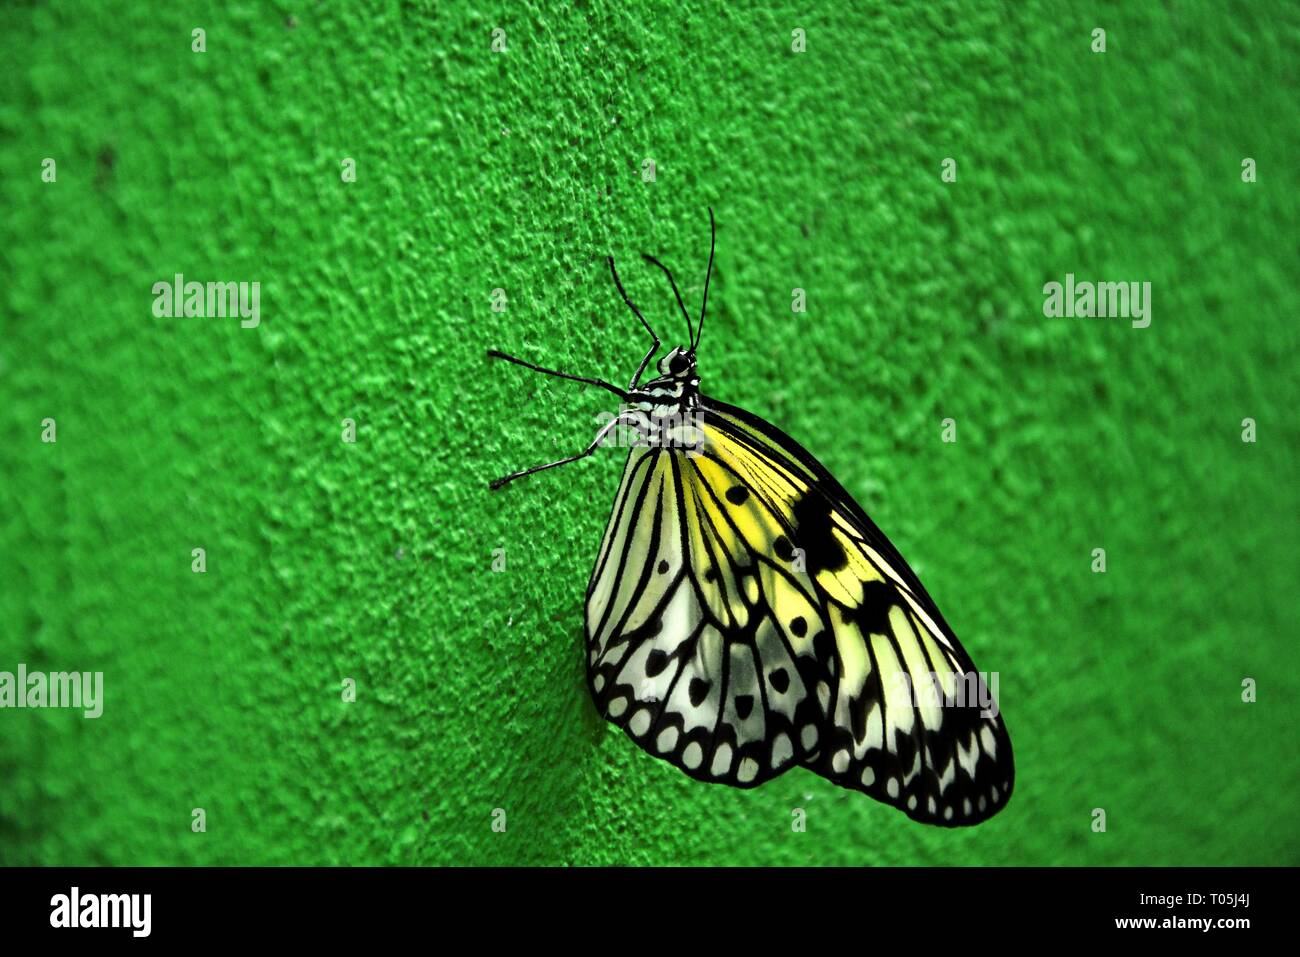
(907, 719)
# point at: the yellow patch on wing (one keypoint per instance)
(909, 643)
(764, 475)
(712, 548)
(755, 524)
(896, 684)
(790, 604)
(855, 663)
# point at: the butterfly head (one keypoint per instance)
(678, 364)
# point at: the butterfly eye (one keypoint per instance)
(677, 364)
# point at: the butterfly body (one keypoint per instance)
(744, 615)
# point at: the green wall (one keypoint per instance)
(520, 171)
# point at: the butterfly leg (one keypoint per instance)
(636, 379)
(621, 393)
(595, 444)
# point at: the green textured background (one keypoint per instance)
(521, 171)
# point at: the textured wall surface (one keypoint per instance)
(520, 170)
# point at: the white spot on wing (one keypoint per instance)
(916, 768)
(640, 722)
(809, 736)
(967, 757)
(693, 755)
(949, 775)
(721, 760)
(990, 743)
(875, 734)
(782, 750)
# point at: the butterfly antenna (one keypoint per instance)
(690, 329)
(622, 292)
(713, 242)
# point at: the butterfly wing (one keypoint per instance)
(678, 657)
(910, 720)
(745, 615)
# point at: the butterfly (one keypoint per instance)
(744, 615)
